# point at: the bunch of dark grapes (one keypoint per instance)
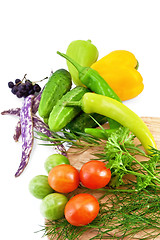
(24, 89)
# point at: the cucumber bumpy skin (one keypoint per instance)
(61, 115)
(82, 121)
(58, 84)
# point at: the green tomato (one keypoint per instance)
(54, 160)
(84, 53)
(52, 206)
(39, 186)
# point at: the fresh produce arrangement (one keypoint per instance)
(114, 195)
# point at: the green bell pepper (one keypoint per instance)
(84, 53)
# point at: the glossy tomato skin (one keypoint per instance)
(63, 178)
(81, 209)
(94, 174)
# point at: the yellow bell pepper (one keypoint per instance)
(118, 68)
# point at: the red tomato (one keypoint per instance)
(81, 209)
(63, 178)
(94, 174)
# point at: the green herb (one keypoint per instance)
(122, 215)
(126, 212)
(119, 153)
(77, 140)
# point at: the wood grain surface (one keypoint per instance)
(78, 159)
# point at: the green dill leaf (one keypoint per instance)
(121, 215)
(152, 163)
(154, 151)
(143, 182)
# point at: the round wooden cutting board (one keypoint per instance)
(78, 159)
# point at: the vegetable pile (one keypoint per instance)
(100, 195)
(63, 179)
(128, 203)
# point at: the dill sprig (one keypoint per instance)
(120, 154)
(118, 151)
(78, 140)
(121, 215)
(123, 212)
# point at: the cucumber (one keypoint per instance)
(61, 115)
(82, 121)
(45, 120)
(58, 84)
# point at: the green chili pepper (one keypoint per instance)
(84, 53)
(99, 133)
(95, 103)
(92, 80)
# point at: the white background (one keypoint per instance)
(31, 33)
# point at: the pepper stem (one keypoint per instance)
(137, 66)
(72, 104)
(75, 64)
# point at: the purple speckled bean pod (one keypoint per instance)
(12, 111)
(17, 132)
(26, 132)
(39, 125)
(16, 112)
(43, 128)
(35, 105)
(36, 102)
